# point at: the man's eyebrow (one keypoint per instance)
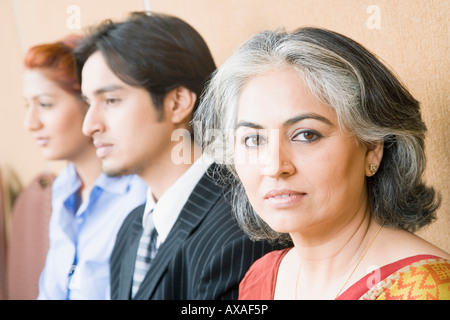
(288, 122)
(110, 88)
(103, 90)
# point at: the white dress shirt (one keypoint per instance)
(167, 209)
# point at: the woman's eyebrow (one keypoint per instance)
(248, 125)
(288, 122)
(307, 116)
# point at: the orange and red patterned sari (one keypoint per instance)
(421, 277)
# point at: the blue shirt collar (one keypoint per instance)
(120, 185)
(72, 183)
(67, 184)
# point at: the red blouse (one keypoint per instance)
(260, 281)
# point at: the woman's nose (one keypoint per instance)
(32, 122)
(275, 161)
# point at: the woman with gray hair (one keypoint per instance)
(326, 154)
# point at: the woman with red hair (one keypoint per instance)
(88, 207)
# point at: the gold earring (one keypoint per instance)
(373, 168)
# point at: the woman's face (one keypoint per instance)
(301, 171)
(54, 116)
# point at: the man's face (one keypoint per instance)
(123, 122)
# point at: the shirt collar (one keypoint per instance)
(72, 182)
(167, 209)
(67, 183)
(118, 185)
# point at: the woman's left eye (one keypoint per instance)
(307, 136)
(45, 104)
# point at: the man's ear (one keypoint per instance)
(374, 155)
(179, 105)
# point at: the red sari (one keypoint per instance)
(418, 277)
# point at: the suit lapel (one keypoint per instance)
(203, 197)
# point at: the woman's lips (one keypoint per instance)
(42, 142)
(281, 199)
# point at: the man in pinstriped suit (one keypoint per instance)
(143, 78)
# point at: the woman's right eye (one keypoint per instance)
(253, 141)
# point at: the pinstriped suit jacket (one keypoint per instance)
(204, 257)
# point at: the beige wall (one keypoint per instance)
(411, 36)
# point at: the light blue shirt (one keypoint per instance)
(81, 241)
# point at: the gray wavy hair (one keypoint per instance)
(369, 101)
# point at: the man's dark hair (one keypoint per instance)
(157, 52)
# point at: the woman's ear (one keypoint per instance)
(179, 105)
(373, 157)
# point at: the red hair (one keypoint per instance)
(58, 60)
